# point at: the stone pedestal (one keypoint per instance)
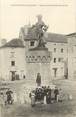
(38, 61)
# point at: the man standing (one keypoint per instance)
(38, 79)
(9, 96)
(56, 92)
(48, 95)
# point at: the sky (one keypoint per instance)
(60, 15)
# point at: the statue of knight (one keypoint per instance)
(40, 29)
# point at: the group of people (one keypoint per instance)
(45, 91)
(7, 96)
(52, 94)
(5, 99)
(42, 93)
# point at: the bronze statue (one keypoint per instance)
(38, 30)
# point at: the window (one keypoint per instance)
(60, 59)
(12, 54)
(61, 50)
(26, 56)
(12, 63)
(54, 43)
(54, 49)
(32, 43)
(33, 56)
(54, 60)
(55, 71)
(38, 56)
(29, 56)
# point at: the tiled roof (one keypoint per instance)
(14, 43)
(72, 34)
(57, 38)
(51, 37)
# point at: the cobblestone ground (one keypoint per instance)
(67, 108)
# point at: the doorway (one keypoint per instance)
(13, 75)
(55, 72)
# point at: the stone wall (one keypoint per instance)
(59, 65)
(6, 57)
(72, 57)
(38, 62)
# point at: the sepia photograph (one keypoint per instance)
(37, 58)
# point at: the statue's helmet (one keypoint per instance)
(39, 17)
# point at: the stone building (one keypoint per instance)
(57, 44)
(12, 58)
(57, 47)
(27, 55)
(72, 55)
(52, 62)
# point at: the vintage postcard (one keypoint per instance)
(37, 58)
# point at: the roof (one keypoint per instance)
(57, 38)
(72, 34)
(14, 43)
(51, 37)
